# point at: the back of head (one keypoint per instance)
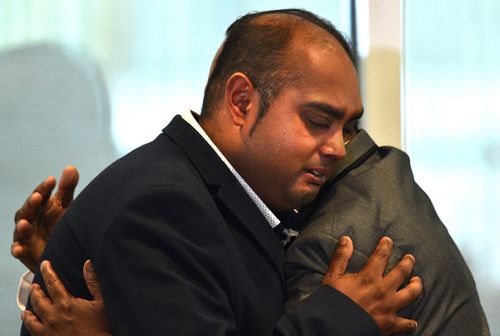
(258, 44)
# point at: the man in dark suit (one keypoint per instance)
(180, 230)
(373, 194)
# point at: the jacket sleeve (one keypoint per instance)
(327, 312)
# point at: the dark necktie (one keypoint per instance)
(285, 235)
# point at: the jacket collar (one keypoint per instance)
(358, 150)
(226, 189)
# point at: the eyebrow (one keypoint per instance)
(334, 112)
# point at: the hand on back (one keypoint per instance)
(60, 313)
(378, 294)
(38, 216)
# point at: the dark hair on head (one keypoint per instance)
(260, 51)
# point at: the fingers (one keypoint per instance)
(23, 230)
(411, 292)
(39, 301)
(31, 206)
(67, 184)
(38, 197)
(31, 322)
(403, 325)
(27, 246)
(17, 250)
(54, 286)
(377, 294)
(91, 279)
(41, 194)
(401, 271)
(45, 188)
(378, 260)
(340, 259)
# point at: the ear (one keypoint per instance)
(239, 90)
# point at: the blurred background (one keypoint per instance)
(83, 82)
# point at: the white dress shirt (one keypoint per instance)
(268, 214)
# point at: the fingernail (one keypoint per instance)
(43, 264)
(343, 241)
(410, 257)
(90, 267)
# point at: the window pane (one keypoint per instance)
(452, 126)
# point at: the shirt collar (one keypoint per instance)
(266, 212)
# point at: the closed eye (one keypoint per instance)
(318, 122)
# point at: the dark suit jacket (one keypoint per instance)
(374, 194)
(180, 249)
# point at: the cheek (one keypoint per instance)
(285, 151)
(298, 147)
(290, 157)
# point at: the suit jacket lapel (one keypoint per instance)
(232, 195)
(226, 189)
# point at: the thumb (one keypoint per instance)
(91, 279)
(341, 256)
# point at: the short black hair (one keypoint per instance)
(260, 51)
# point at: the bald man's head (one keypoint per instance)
(261, 45)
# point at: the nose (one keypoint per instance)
(333, 147)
